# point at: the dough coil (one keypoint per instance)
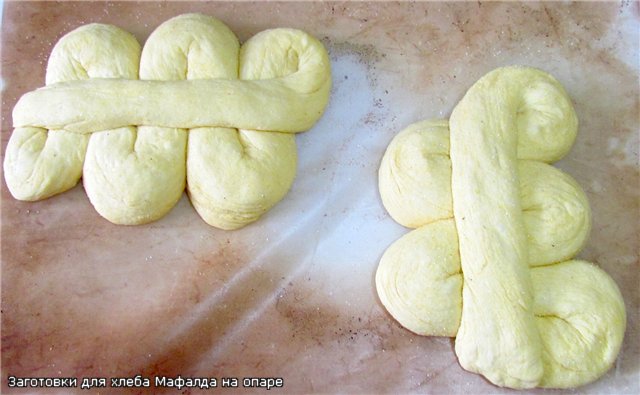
(205, 113)
(490, 261)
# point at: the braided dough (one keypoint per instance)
(136, 143)
(490, 260)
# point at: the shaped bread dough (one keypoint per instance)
(134, 175)
(557, 222)
(578, 309)
(40, 163)
(569, 334)
(291, 103)
(234, 176)
(161, 132)
(419, 280)
(415, 187)
(497, 336)
(415, 174)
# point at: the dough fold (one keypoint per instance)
(292, 100)
(205, 114)
(490, 260)
(42, 162)
(578, 309)
(134, 175)
(415, 187)
(491, 236)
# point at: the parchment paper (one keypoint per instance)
(293, 295)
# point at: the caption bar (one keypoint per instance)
(144, 382)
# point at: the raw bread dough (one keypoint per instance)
(415, 174)
(153, 135)
(559, 325)
(40, 163)
(419, 280)
(415, 186)
(234, 176)
(134, 175)
(416, 274)
(290, 103)
(578, 309)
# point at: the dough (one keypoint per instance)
(134, 175)
(234, 176)
(415, 187)
(559, 324)
(419, 280)
(416, 279)
(415, 174)
(578, 309)
(151, 137)
(40, 163)
(291, 103)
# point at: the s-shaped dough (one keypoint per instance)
(579, 313)
(135, 171)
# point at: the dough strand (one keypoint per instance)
(490, 261)
(496, 293)
(134, 175)
(40, 163)
(188, 121)
(291, 100)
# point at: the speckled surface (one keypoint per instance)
(293, 295)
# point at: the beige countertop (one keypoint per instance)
(293, 294)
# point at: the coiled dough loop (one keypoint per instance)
(189, 120)
(291, 103)
(134, 175)
(40, 163)
(490, 260)
(578, 309)
(415, 187)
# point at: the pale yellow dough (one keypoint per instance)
(40, 163)
(415, 186)
(483, 218)
(149, 138)
(415, 174)
(291, 103)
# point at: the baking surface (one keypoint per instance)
(293, 294)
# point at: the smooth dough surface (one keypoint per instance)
(522, 314)
(415, 174)
(419, 280)
(497, 337)
(234, 176)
